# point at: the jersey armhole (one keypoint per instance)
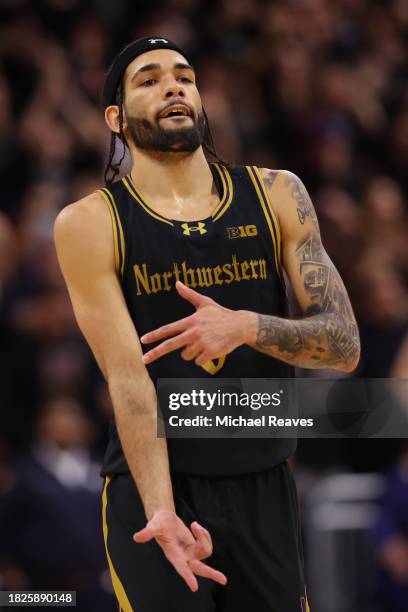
(118, 236)
(270, 216)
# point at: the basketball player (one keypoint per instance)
(190, 255)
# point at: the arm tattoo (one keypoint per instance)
(319, 341)
(269, 178)
(328, 335)
(304, 204)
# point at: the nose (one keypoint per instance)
(174, 89)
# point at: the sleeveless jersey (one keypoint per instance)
(234, 257)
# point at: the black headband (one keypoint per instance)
(127, 55)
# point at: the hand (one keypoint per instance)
(182, 547)
(211, 332)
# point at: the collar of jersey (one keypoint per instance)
(222, 206)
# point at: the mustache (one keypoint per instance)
(176, 103)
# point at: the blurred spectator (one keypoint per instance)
(391, 540)
(49, 531)
(382, 302)
(400, 365)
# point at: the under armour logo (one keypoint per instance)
(187, 229)
(153, 41)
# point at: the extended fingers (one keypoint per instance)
(201, 569)
(197, 299)
(166, 330)
(186, 572)
(167, 347)
(191, 351)
(203, 547)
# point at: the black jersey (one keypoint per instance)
(234, 257)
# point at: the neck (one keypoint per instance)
(171, 175)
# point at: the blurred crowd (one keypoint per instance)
(318, 87)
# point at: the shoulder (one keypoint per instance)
(81, 216)
(284, 186)
(282, 180)
(273, 178)
(83, 234)
(290, 199)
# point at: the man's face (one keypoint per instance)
(163, 110)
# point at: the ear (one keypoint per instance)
(112, 117)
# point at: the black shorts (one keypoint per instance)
(254, 524)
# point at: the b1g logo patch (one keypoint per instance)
(242, 231)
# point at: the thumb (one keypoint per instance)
(195, 298)
(144, 535)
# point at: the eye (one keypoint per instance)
(148, 82)
(185, 79)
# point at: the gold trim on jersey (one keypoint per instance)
(130, 186)
(227, 195)
(222, 206)
(118, 236)
(276, 222)
(121, 234)
(120, 592)
(307, 602)
(269, 218)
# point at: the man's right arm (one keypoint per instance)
(83, 238)
(84, 242)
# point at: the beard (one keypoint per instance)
(151, 136)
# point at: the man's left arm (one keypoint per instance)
(327, 336)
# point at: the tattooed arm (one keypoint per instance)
(327, 336)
